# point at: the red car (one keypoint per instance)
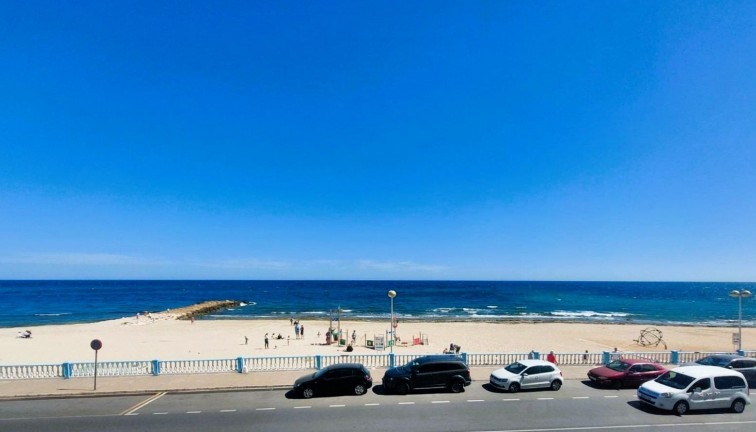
(626, 372)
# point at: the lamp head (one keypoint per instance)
(392, 293)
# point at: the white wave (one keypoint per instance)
(492, 307)
(589, 314)
(52, 314)
(443, 309)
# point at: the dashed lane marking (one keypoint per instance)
(194, 412)
(510, 400)
(545, 398)
(439, 402)
(372, 404)
(476, 400)
(227, 410)
(610, 397)
(264, 409)
(406, 403)
(303, 407)
(160, 413)
(581, 397)
(336, 406)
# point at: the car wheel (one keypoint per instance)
(556, 385)
(616, 384)
(738, 406)
(402, 388)
(514, 388)
(456, 386)
(359, 389)
(307, 392)
(681, 408)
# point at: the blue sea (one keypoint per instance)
(29, 303)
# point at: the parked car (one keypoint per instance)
(744, 365)
(527, 374)
(433, 371)
(696, 387)
(343, 378)
(626, 372)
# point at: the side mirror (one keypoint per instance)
(523, 374)
(696, 390)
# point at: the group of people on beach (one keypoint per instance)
(24, 334)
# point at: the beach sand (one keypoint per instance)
(165, 338)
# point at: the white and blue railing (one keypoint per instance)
(285, 363)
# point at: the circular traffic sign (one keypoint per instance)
(95, 344)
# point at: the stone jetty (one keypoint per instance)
(185, 313)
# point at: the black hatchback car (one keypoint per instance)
(744, 365)
(434, 371)
(342, 378)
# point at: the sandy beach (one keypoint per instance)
(163, 337)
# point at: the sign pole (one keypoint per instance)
(95, 345)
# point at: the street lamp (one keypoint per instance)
(391, 295)
(740, 295)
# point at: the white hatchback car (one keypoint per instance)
(697, 387)
(527, 374)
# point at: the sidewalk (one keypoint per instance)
(106, 386)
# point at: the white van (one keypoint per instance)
(697, 387)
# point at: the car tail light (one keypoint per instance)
(368, 378)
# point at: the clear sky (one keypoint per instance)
(502, 140)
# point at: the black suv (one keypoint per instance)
(340, 378)
(434, 371)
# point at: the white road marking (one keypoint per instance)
(610, 397)
(143, 404)
(510, 400)
(132, 414)
(336, 406)
(372, 404)
(476, 400)
(193, 412)
(439, 402)
(406, 403)
(303, 407)
(581, 397)
(545, 398)
(160, 413)
(264, 409)
(228, 410)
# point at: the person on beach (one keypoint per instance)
(246, 340)
(296, 330)
(266, 341)
(354, 337)
(301, 330)
(551, 357)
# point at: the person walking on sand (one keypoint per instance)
(551, 357)
(301, 330)
(266, 341)
(246, 340)
(296, 330)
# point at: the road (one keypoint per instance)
(576, 407)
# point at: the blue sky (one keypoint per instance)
(502, 140)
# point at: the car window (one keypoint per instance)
(516, 368)
(675, 380)
(714, 361)
(729, 382)
(547, 369)
(635, 368)
(649, 368)
(749, 363)
(618, 365)
(703, 384)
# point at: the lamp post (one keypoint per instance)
(740, 295)
(391, 295)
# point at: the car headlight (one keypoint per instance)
(666, 395)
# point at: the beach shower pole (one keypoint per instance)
(391, 295)
(740, 294)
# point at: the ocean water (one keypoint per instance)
(29, 303)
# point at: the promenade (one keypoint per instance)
(56, 387)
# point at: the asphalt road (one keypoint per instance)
(576, 407)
